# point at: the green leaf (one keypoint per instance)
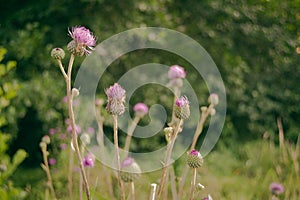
(10, 65)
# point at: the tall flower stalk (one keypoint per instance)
(43, 145)
(213, 100)
(115, 106)
(140, 110)
(181, 111)
(82, 44)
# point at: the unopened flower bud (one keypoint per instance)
(168, 133)
(212, 112)
(58, 53)
(182, 108)
(43, 145)
(75, 92)
(194, 159)
(213, 99)
(99, 102)
(203, 109)
(46, 139)
(130, 170)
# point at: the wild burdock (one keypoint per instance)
(181, 110)
(140, 110)
(276, 189)
(194, 161)
(115, 106)
(130, 171)
(45, 166)
(82, 44)
(213, 100)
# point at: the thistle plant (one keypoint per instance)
(213, 100)
(182, 112)
(115, 106)
(82, 43)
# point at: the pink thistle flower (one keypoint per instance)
(90, 130)
(89, 161)
(182, 102)
(127, 162)
(65, 99)
(276, 188)
(115, 92)
(84, 39)
(63, 146)
(176, 71)
(194, 152)
(52, 161)
(140, 109)
(116, 98)
(63, 136)
(52, 131)
(77, 128)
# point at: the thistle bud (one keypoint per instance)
(212, 112)
(46, 139)
(43, 145)
(194, 159)
(213, 99)
(58, 53)
(75, 92)
(182, 108)
(168, 133)
(130, 170)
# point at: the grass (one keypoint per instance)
(244, 174)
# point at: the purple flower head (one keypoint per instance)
(90, 130)
(194, 152)
(52, 131)
(63, 136)
(127, 162)
(208, 198)
(83, 38)
(52, 161)
(115, 92)
(89, 161)
(176, 71)
(276, 188)
(63, 146)
(65, 99)
(77, 128)
(182, 102)
(140, 109)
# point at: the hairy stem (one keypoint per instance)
(72, 119)
(115, 117)
(167, 160)
(129, 134)
(192, 195)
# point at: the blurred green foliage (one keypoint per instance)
(252, 42)
(8, 90)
